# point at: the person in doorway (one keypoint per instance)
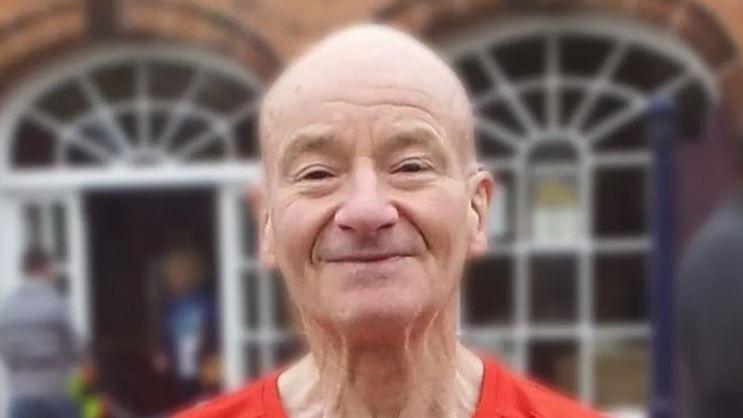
(372, 204)
(37, 344)
(189, 343)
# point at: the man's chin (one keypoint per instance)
(367, 324)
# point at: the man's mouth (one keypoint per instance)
(367, 258)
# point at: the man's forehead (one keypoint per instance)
(317, 136)
(364, 66)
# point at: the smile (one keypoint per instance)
(368, 258)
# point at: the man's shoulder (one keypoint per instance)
(525, 397)
(547, 403)
(247, 402)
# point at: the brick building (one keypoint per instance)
(118, 116)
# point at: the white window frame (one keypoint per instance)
(476, 43)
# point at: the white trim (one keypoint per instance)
(10, 250)
(124, 177)
(231, 307)
(77, 253)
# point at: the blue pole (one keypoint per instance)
(662, 134)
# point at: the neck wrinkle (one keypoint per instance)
(428, 373)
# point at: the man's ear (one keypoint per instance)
(257, 202)
(482, 189)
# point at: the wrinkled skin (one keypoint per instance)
(372, 205)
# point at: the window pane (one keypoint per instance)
(33, 224)
(189, 129)
(158, 122)
(502, 348)
(534, 100)
(80, 157)
(645, 69)
(250, 299)
(60, 231)
(488, 291)
(555, 211)
(168, 80)
(620, 203)
(569, 102)
(248, 228)
(129, 125)
(629, 137)
(214, 150)
(33, 146)
(246, 135)
(490, 146)
(116, 82)
(553, 288)
(283, 309)
(577, 49)
(620, 288)
(621, 373)
(502, 222)
(500, 112)
(102, 134)
(556, 364)
(289, 350)
(252, 367)
(474, 76)
(603, 110)
(65, 103)
(522, 59)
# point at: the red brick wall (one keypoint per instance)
(264, 33)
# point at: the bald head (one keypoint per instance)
(369, 65)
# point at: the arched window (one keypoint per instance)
(562, 105)
(135, 107)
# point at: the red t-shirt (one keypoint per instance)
(503, 395)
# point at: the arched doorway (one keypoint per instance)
(108, 154)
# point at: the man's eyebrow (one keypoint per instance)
(304, 141)
(410, 135)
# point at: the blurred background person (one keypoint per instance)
(37, 344)
(188, 344)
(91, 395)
(710, 311)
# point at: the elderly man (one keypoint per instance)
(373, 203)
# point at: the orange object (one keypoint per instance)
(503, 395)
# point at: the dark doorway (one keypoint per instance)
(129, 231)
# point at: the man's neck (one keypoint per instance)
(430, 375)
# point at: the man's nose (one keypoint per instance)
(366, 211)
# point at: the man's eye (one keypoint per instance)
(315, 174)
(411, 167)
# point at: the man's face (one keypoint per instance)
(371, 208)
